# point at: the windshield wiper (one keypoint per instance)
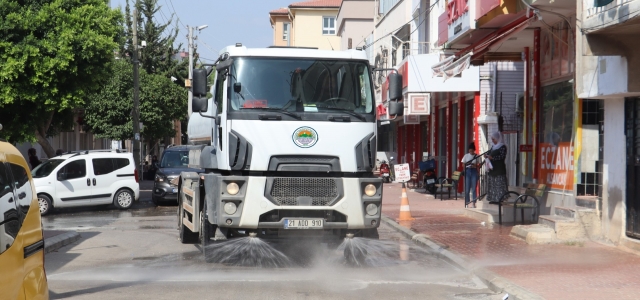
(279, 110)
(353, 113)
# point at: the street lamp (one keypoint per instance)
(202, 27)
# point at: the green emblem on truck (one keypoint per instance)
(305, 137)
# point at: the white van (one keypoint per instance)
(87, 178)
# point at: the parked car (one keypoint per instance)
(22, 274)
(87, 178)
(174, 160)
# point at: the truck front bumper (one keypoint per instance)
(266, 202)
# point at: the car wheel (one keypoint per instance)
(45, 204)
(123, 199)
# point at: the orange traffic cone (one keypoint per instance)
(405, 211)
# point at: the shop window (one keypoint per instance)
(556, 147)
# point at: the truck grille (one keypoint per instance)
(322, 191)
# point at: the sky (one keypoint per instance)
(230, 22)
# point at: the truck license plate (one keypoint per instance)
(430, 181)
(303, 223)
(385, 175)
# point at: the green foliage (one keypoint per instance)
(161, 101)
(157, 56)
(53, 54)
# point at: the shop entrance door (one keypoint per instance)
(632, 130)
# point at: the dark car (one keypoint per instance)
(174, 161)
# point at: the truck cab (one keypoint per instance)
(288, 145)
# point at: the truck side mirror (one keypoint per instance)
(199, 104)
(396, 108)
(200, 82)
(395, 86)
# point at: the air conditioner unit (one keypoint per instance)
(520, 103)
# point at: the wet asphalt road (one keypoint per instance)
(135, 254)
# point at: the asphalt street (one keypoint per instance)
(136, 254)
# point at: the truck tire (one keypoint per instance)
(206, 231)
(186, 235)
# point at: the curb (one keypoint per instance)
(58, 241)
(494, 282)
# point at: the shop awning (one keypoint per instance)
(498, 36)
(449, 67)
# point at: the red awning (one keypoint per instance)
(498, 36)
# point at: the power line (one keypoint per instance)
(174, 12)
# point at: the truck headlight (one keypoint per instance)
(233, 188)
(230, 208)
(370, 190)
(371, 209)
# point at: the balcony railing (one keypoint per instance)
(591, 9)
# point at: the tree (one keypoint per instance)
(54, 53)
(108, 113)
(158, 55)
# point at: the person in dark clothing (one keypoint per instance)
(33, 158)
(497, 176)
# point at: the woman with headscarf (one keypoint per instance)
(497, 176)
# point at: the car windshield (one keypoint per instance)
(300, 85)
(175, 159)
(45, 168)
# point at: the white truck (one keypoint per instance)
(288, 145)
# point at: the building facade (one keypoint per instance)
(307, 24)
(608, 86)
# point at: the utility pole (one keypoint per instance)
(191, 50)
(136, 97)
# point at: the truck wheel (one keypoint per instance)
(206, 230)
(186, 235)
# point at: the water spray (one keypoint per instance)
(350, 236)
(253, 234)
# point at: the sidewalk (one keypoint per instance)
(580, 270)
(56, 239)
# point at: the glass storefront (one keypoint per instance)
(556, 128)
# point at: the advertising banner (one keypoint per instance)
(556, 165)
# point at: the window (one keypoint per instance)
(300, 85)
(175, 159)
(9, 218)
(329, 25)
(73, 170)
(219, 92)
(22, 186)
(285, 31)
(102, 166)
(121, 163)
(44, 169)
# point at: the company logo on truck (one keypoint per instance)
(305, 137)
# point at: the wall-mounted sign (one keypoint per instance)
(419, 104)
(410, 119)
(459, 20)
(526, 148)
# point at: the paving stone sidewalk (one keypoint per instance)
(586, 270)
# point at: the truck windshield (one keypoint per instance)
(300, 85)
